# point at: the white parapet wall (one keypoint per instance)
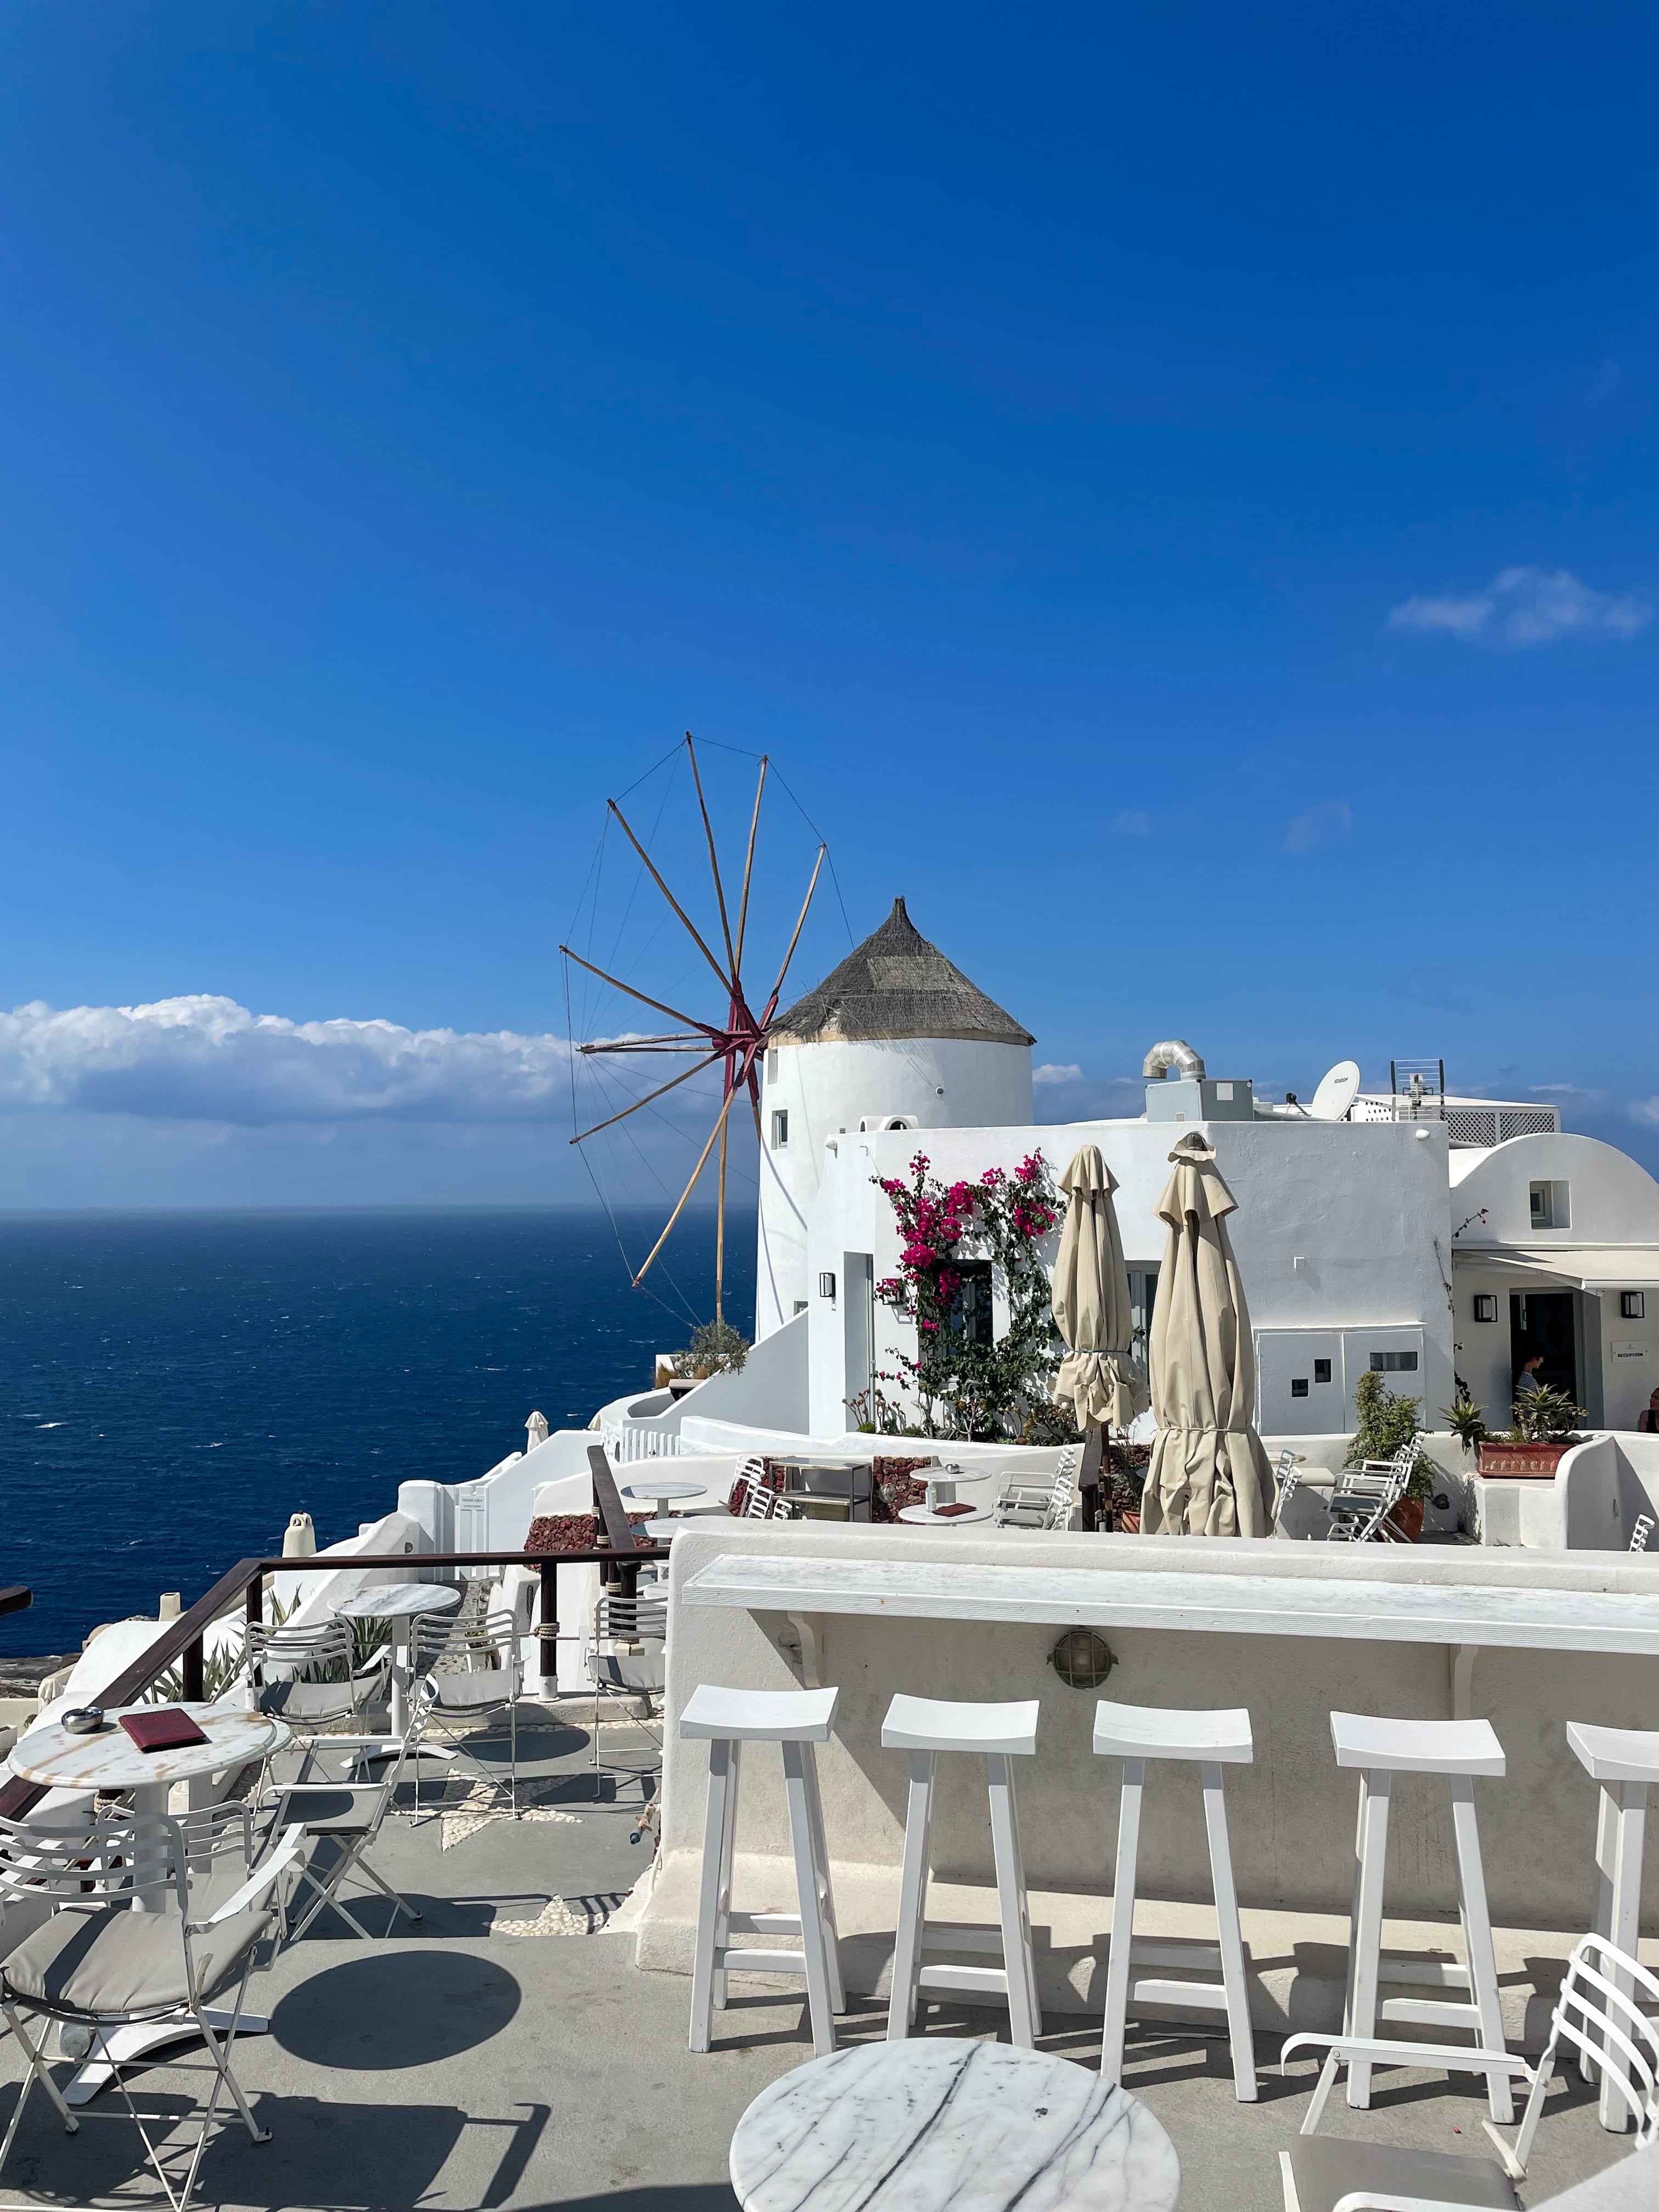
(1290, 1812)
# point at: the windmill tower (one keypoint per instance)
(897, 1037)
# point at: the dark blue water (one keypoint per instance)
(172, 1387)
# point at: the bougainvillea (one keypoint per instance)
(962, 1387)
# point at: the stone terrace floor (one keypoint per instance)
(457, 2065)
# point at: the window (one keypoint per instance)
(779, 1128)
(971, 1308)
(1485, 1305)
(1321, 1371)
(800, 1306)
(1298, 1385)
(1633, 1305)
(1394, 1362)
(1550, 1208)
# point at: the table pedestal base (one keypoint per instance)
(130, 2046)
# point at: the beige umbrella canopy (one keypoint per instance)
(1209, 1474)
(1098, 1378)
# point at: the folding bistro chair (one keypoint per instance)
(1600, 2012)
(471, 1675)
(1363, 1497)
(148, 1924)
(310, 1678)
(627, 1654)
(349, 1815)
(1029, 1506)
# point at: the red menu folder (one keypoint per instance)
(164, 1729)
(949, 1512)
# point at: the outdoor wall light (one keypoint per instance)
(1082, 1660)
(826, 1286)
(1633, 1305)
(1485, 1305)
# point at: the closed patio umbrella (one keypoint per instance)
(1209, 1474)
(1098, 1378)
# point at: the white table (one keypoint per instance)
(664, 1491)
(929, 1516)
(399, 1603)
(111, 1761)
(930, 2122)
(664, 1532)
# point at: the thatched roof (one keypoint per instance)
(895, 984)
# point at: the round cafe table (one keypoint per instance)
(664, 1491)
(400, 1603)
(111, 1761)
(929, 2122)
(927, 1516)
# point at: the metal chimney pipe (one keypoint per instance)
(1174, 1053)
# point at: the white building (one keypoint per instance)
(1415, 1234)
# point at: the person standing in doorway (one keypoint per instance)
(1527, 1381)
(1647, 1421)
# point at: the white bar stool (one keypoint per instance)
(923, 1727)
(1460, 1750)
(795, 1720)
(1625, 1763)
(1135, 1734)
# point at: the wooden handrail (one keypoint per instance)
(181, 1640)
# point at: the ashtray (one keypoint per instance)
(84, 1720)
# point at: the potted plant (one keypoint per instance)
(716, 1348)
(1387, 1423)
(1540, 1439)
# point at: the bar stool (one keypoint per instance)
(1135, 1734)
(1460, 1750)
(923, 1727)
(795, 1720)
(1625, 1763)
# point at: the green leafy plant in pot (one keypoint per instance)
(1387, 1423)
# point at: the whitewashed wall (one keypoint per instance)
(829, 1087)
(1338, 1223)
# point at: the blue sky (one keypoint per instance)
(1173, 490)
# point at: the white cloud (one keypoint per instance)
(1132, 822)
(1052, 1072)
(206, 1058)
(1329, 823)
(1525, 607)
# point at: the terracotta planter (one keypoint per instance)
(1511, 1460)
(1408, 1517)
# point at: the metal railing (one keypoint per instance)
(183, 1642)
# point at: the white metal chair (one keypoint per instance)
(626, 1656)
(1379, 1749)
(472, 1675)
(1363, 1497)
(796, 1721)
(1625, 1764)
(1208, 1741)
(1030, 1506)
(152, 1918)
(996, 1733)
(347, 1814)
(1641, 1531)
(310, 1677)
(763, 1504)
(1287, 1480)
(1601, 2011)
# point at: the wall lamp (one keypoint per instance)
(826, 1286)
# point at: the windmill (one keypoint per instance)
(734, 1042)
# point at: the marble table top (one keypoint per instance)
(112, 1761)
(1043, 1592)
(934, 2123)
(661, 1493)
(398, 1601)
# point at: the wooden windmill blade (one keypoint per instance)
(735, 1044)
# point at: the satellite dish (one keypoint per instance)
(1337, 1092)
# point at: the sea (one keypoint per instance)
(172, 1387)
